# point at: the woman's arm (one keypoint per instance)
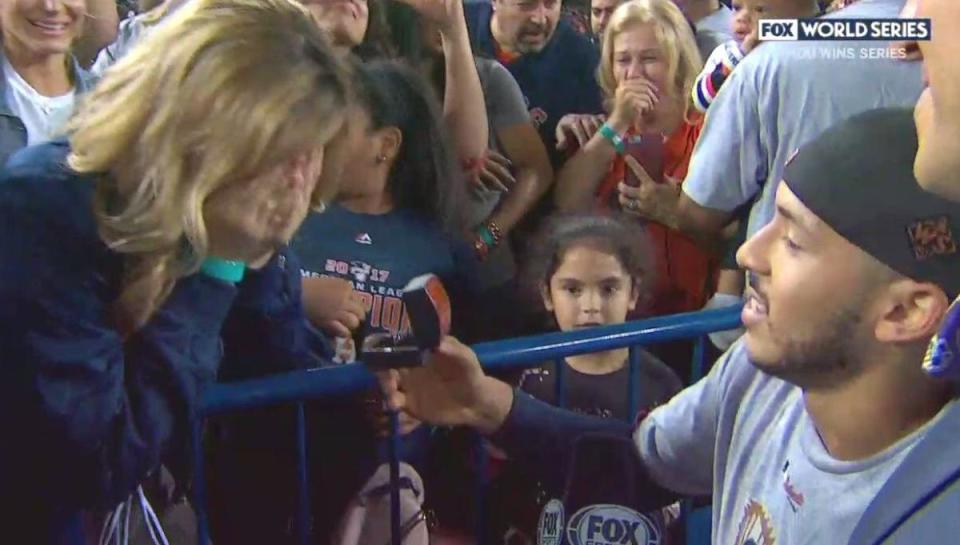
(464, 108)
(267, 330)
(579, 177)
(92, 413)
(520, 142)
(581, 174)
(534, 175)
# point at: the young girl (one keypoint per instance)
(590, 270)
(396, 216)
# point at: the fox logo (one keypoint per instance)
(611, 525)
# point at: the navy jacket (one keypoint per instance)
(558, 80)
(85, 416)
(919, 503)
(13, 133)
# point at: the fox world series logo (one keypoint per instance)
(792, 30)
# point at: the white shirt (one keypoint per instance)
(43, 116)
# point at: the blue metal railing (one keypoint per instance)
(299, 386)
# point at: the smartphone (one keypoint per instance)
(647, 149)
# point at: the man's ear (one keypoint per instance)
(911, 311)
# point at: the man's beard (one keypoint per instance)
(526, 47)
(826, 358)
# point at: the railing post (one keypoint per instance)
(697, 367)
(480, 452)
(632, 378)
(303, 493)
(560, 382)
(394, 454)
(199, 482)
(699, 355)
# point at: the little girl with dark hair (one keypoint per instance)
(590, 271)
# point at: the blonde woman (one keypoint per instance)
(647, 70)
(125, 249)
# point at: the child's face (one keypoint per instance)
(589, 288)
(748, 12)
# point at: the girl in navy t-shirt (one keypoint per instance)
(396, 217)
(590, 271)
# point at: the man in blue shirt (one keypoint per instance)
(553, 64)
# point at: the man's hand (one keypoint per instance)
(575, 130)
(450, 390)
(332, 306)
(649, 200)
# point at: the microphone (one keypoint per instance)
(602, 495)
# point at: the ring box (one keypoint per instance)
(428, 306)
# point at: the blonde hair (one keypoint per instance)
(223, 91)
(676, 39)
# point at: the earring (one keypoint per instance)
(381, 158)
(319, 207)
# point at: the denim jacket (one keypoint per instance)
(13, 133)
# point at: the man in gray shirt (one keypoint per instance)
(802, 422)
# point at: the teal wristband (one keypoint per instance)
(222, 269)
(615, 139)
(486, 236)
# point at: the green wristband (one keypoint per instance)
(222, 269)
(486, 236)
(615, 139)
